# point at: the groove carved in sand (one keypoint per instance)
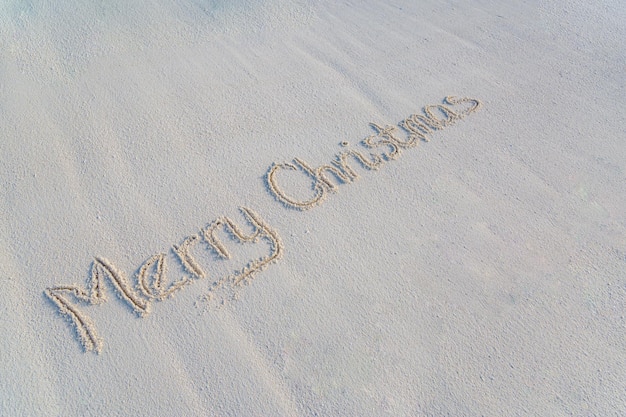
(151, 277)
(325, 178)
(101, 270)
(260, 231)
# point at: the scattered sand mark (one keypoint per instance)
(260, 231)
(416, 126)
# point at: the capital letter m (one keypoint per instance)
(101, 269)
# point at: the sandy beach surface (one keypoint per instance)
(313, 208)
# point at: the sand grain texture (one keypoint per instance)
(455, 263)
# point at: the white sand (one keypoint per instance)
(480, 273)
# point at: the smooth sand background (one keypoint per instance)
(482, 273)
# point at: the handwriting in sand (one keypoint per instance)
(151, 281)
